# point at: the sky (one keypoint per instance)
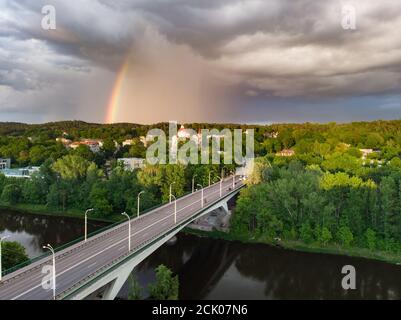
(249, 61)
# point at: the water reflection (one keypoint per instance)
(33, 231)
(212, 269)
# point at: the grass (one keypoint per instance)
(303, 247)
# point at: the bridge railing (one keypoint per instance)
(112, 265)
(75, 241)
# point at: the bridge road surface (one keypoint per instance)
(81, 260)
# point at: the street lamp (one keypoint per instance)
(129, 230)
(233, 172)
(221, 182)
(202, 194)
(171, 184)
(86, 223)
(49, 247)
(139, 194)
(1, 239)
(175, 209)
(193, 183)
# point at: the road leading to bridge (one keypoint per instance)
(83, 260)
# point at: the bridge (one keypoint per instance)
(101, 265)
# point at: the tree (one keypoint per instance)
(99, 200)
(166, 286)
(325, 236)
(135, 289)
(306, 233)
(370, 237)
(13, 253)
(11, 193)
(71, 167)
(34, 190)
(345, 236)
(84, 152)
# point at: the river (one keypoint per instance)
(216, 269)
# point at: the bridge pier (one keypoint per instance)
(115, 286)
(224, 205)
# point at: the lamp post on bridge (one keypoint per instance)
(129, 230)
(171, 184)
(202, 194)
(138, 199)
(221, 183)
(193, 183)
(175, 209)
(1, 240)
(86, 222)
(49, 247)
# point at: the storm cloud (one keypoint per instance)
(247, 61)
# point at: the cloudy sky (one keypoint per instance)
(255, 61)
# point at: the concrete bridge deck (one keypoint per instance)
(85, 266)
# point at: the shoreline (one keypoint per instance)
(50, 212)
(299, 246)
(287, 245)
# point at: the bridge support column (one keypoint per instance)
(116, 285)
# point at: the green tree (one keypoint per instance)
(345, 236)
(325, 236)
(135, 290)
(99, 200)
(84, 152)
(71, 167)
(166, 286)
(306, 232)
(370, 237)
(13, 253)
(11, 193)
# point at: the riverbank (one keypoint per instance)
(302, 247)
(45, 211)
(290, 245)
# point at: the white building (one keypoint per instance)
(5, 163)
(94, 145)
(20, 172)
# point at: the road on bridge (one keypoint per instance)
(75, 263)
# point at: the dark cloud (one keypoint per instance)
(255, 49)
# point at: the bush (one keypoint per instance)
(306, 233)
(166, 286)
(345, 236)
(325, 236)
(11, 194)
(13, 253)
(370, 237)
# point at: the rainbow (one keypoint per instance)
(114, 101)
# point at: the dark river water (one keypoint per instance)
(214, 269)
